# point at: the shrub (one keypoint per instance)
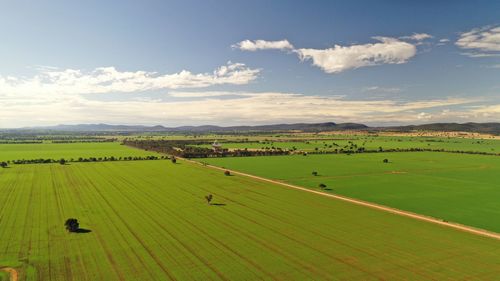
(72, 225)
(209, 198)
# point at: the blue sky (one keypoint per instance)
(249, 62)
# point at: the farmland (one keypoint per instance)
(9, 152)
(455, 187)
(148, 221)
(345, 142)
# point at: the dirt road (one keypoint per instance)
(13, 273)
(469, 229)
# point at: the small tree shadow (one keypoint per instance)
(217, 204)
(327, 189)
(82, 230)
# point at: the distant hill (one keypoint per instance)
(487, 128)
(306, 127)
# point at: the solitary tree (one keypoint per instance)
(72, 225)
(314, 173)
(322, 185)
(227, 173)
(173, 160)
(386, 160)
(209, 198)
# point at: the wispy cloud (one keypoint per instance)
(418, 36)
(379, 89)
(483, 42)
(225, 108)
(108, 79)
(248, 45)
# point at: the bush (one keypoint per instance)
(386, 160)
(209, 198)
(322, 185)
(227, 173)
(72, 225)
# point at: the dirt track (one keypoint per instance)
(13, 273)
(469, 229)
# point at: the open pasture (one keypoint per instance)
(352, 142)
(148, 220)
(460, 188)
(67, 150)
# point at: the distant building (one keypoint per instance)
(216, 146)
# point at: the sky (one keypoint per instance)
(177, 63)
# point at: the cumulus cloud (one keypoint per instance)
(50, 81)
(248, 45)
(483, 42)
(340, 58)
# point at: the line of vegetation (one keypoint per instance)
(63, 161)
(188, 149)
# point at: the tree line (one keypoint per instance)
(189, 149)
(82, 159)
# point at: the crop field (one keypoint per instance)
(456, 187)
(67, 150)
(372, 143)
(148, 220)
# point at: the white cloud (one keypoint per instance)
(51, 81)
(225, 108)
(483, 42)
(444, 40)
(341, 58)
(201, 94)
(418, 36)
(379, 89)
(479, 55)
(248, 45)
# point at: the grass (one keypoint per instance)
(4, 276)
(67, 151)
(455, 187)
(149, 221)
(373, 143)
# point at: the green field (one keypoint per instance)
(67, 151)
(373, 143)
(149, 221)
(455, 187)
(4, 276)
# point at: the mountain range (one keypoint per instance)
(490, 128)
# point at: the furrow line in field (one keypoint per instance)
(185, 245)
(468, 229)
(136, 236)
